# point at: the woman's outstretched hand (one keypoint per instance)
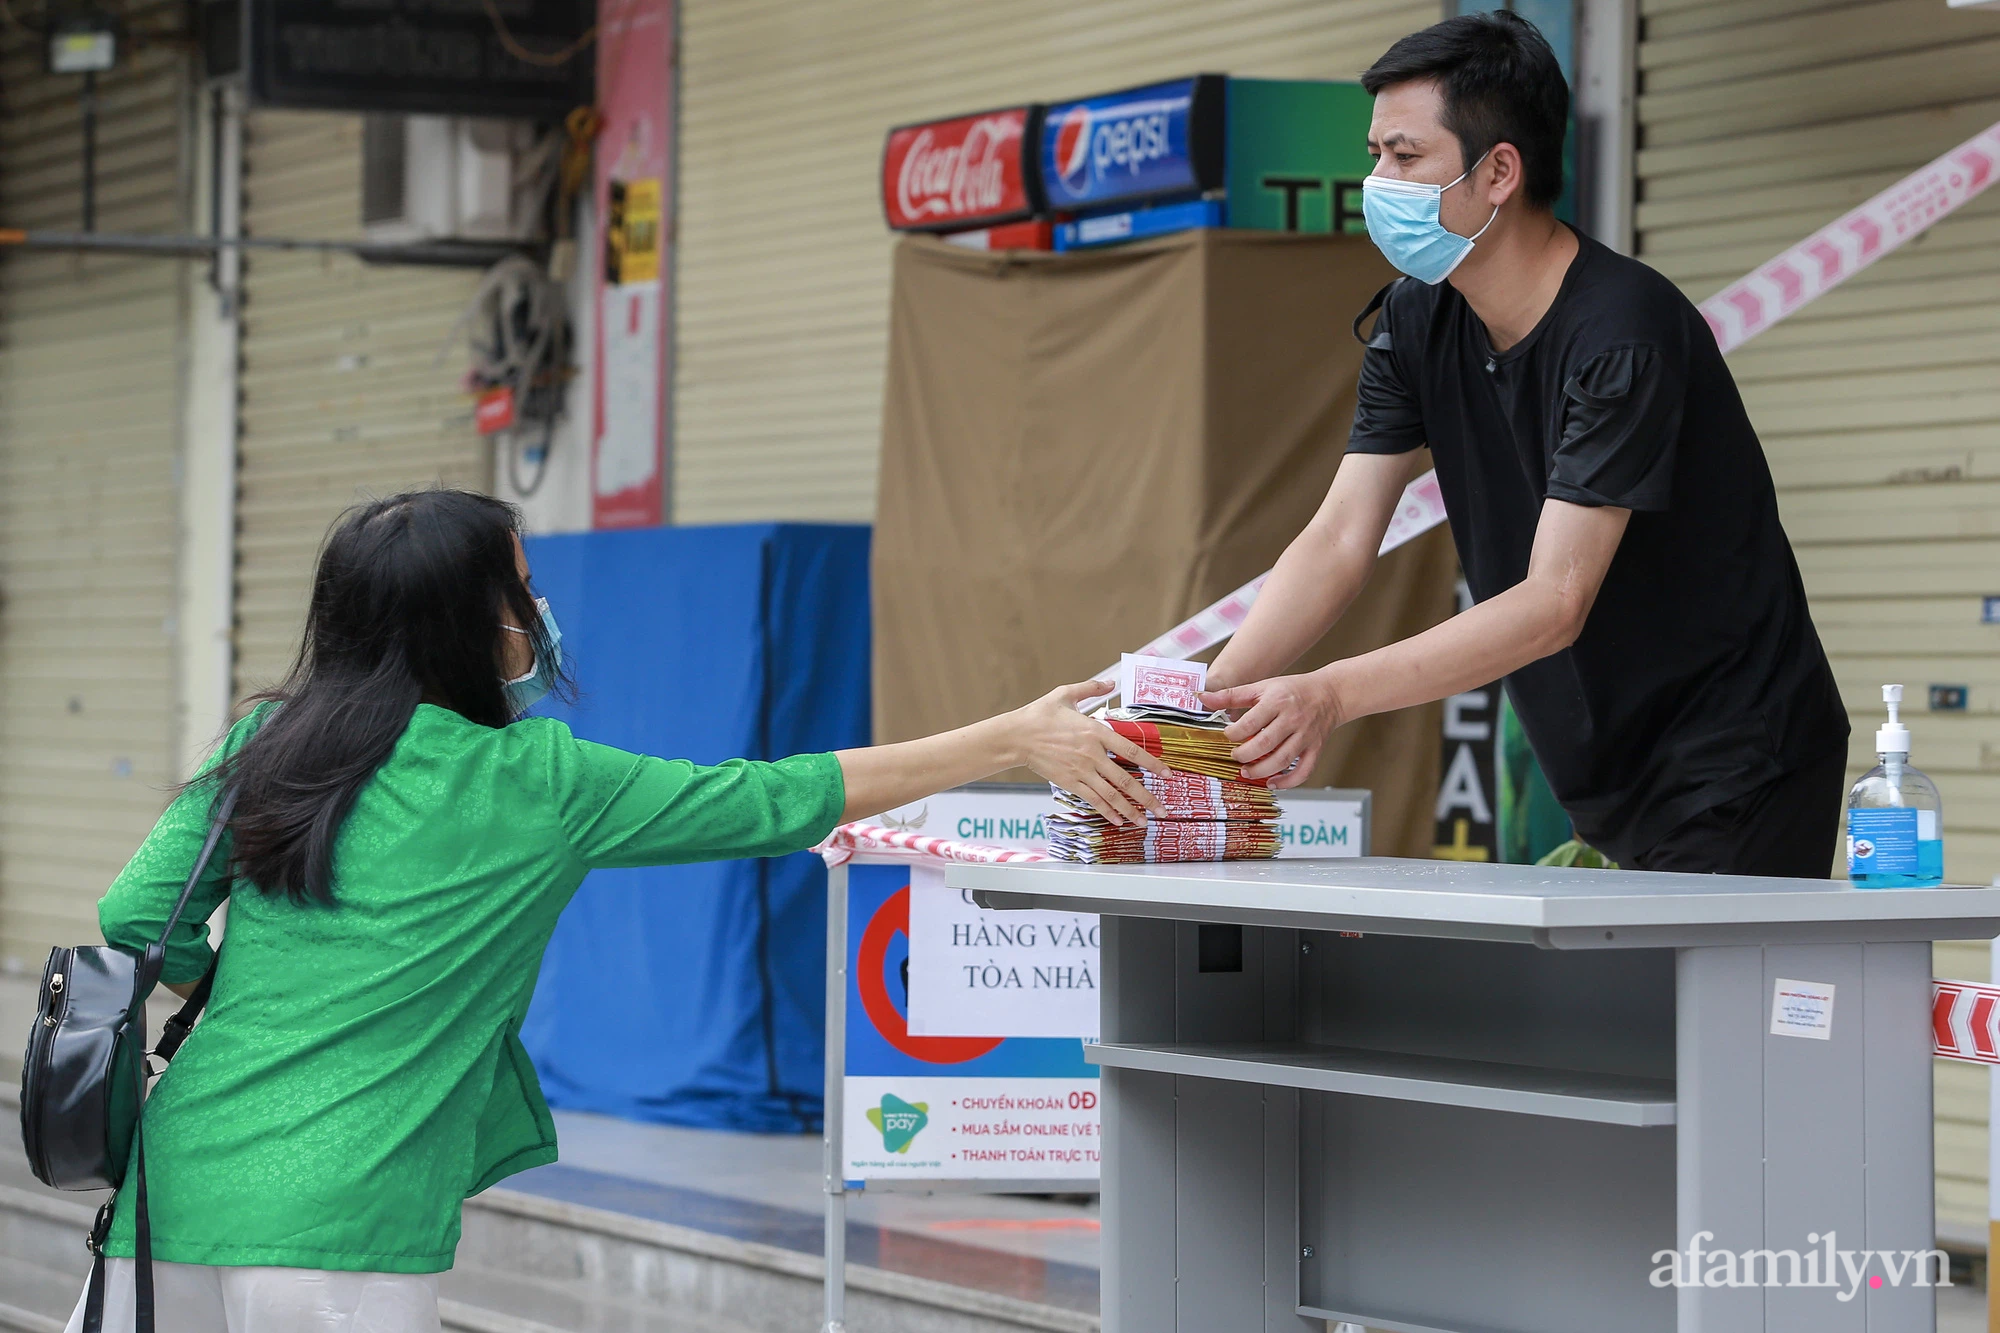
(1048, 735)
(1074, 752)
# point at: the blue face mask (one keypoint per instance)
(524, 692)
(1403, 223)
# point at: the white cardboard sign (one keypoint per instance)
(976, 973)
(1802, 1009)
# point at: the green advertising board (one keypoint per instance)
(1298, 152)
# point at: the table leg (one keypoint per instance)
(1802, 1151)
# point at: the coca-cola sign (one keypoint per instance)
(969, 171)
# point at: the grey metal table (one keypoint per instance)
(1453, 1098)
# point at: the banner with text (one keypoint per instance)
(924, 1107)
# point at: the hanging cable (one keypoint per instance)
(516, 326)
(546, 59)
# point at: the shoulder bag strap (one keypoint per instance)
(156, 952)
(171, 1037)
(174, 1031)
(93, 1296)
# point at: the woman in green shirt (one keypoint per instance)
(402, 843)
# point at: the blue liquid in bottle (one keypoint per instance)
(1894, 815)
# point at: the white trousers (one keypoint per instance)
(204, 1298)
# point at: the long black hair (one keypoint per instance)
(406, 609)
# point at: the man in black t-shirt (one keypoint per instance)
(1610, 501)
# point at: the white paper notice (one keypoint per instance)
(976, 973)
(1802, 1009)
(1161, 682)
(628, 446)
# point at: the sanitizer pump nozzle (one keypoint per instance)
(1893, 737)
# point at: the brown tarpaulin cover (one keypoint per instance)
(1080, 451)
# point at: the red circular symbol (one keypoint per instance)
(890, 920)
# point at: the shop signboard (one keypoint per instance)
(1139, 223)
(1312, 821)
(1298, 152)
(1467, 826)
(1160, 141)
(965, 172)
(1034, 234)
(421, 58)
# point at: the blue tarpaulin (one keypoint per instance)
(695, 995)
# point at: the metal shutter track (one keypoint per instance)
(783, 268)
(89, 429)
(340, 397)
(1880, 404)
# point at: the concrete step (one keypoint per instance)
(43, 1266)
(42, 1260)
(534, 1264)
(33, 1298)
(766, 1288)
(486, 1301)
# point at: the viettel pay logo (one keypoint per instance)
(899, 1121)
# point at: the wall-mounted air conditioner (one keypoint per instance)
(426, 178)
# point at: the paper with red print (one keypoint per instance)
(1145, 681)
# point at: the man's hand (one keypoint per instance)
(1281, 723)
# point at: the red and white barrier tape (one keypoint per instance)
(1842, 248)
(842, 844)
(1737, 313)
(1965, 1022)
(1420, 510)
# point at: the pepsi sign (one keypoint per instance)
(1145, 143)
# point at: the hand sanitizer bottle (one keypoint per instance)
(1893, 813)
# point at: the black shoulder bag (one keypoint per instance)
(84, 1077)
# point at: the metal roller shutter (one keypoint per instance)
(89, 405)
(1879, 404)
(340, 399)
(783, 265)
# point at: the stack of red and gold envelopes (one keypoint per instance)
(1211, 813)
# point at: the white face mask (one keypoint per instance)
(530, 688)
